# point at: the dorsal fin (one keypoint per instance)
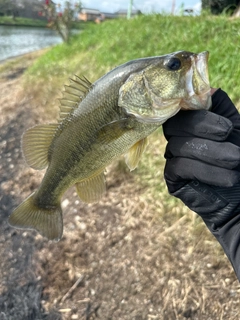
(74, 93)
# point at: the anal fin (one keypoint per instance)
(134, 154)
(91, 189)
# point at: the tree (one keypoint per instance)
(8, 8)
(219, 6)
(236, 13)
(60, 17)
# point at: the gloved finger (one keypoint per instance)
(199, 123)
(220, 154)
(216, 205)
(222, 105)
(178, 170)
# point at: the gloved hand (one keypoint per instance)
(203, 168)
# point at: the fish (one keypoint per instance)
(99, 122)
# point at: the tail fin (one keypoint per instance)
(47, 221)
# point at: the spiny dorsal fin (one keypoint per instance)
(35, 145)
(74, 93)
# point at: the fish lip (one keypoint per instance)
(198, 94)
(201, 60)
(194, 102)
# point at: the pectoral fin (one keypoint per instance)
(115, 129)
(135, 152)
(35, 145)
(91, 189)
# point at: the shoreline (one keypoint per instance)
(16, 59)
(22, 25)
(7, 20)
(44, 26)
(23, 54)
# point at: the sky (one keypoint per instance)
(146, 6)
(143, 5)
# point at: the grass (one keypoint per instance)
(100, 48)
(8, 20)
(27, 22)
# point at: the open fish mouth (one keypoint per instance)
(197, 84)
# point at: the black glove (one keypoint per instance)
(203, 168)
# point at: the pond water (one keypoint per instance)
(15, 41)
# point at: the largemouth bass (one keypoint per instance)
(101, 121)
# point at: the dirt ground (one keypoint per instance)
(116, 260)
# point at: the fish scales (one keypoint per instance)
(76, 126)
(112, 117)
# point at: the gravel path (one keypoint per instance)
(20, 291)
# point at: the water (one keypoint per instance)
(15, 41)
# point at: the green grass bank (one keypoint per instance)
(100, 48)
(26, 22)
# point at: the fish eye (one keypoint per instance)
(173, 64)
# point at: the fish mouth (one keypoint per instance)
(198, 91)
